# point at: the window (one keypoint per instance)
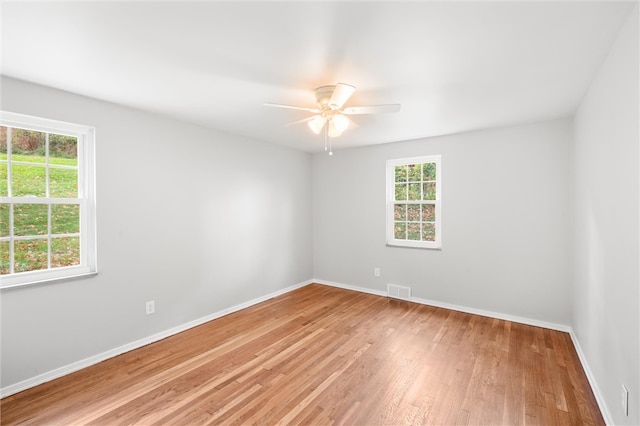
(413, 202)
(47, 200)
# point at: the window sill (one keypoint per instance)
(438, 248)
(43, 280)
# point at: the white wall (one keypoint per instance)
(606, 296)
(506, 221)
(196, 220)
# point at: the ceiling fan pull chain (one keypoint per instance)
(330, 150)
(326, 132)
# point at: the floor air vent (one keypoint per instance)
(399, 292)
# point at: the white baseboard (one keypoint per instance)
(491, 314)
(78, 365)
(466, 309)
(351, 287)
(604, 409)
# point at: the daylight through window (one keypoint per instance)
(47, 209)
(413, 202)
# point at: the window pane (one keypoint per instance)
(30, 255)
(428, 232)
(413, 213)
(400, 231)
(63, 183)
(414, 191)
(400, 212)
(4, 189)
(65, 218)
(429, 171)
(63, 150)
(28, 145)
(3, 140)
(62, 147)
(4, 220)
(401, 192)
(414, 172)
(65, 251)
(30, 219)
(28, 180)
(428, 212)
(401, 173)
(413, 231)
(429, 190)
(4, 257)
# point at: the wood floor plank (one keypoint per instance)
(323, 355)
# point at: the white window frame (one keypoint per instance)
(86, 199)
(390, 178)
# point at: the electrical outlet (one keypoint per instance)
(625, 400)
(376, 272)
(150, 307)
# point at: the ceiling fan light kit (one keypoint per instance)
(316, 124)
(330, 114)
(336, 122)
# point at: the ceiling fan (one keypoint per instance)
(330, 113)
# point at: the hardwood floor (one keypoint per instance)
(322, 355)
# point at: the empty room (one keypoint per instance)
(347, 212)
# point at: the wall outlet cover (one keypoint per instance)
(150, 307)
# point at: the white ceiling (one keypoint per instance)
(454, 66)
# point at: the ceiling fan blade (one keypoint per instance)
(341, 94)
(371, 109)
(304, 120)
(314, 110)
